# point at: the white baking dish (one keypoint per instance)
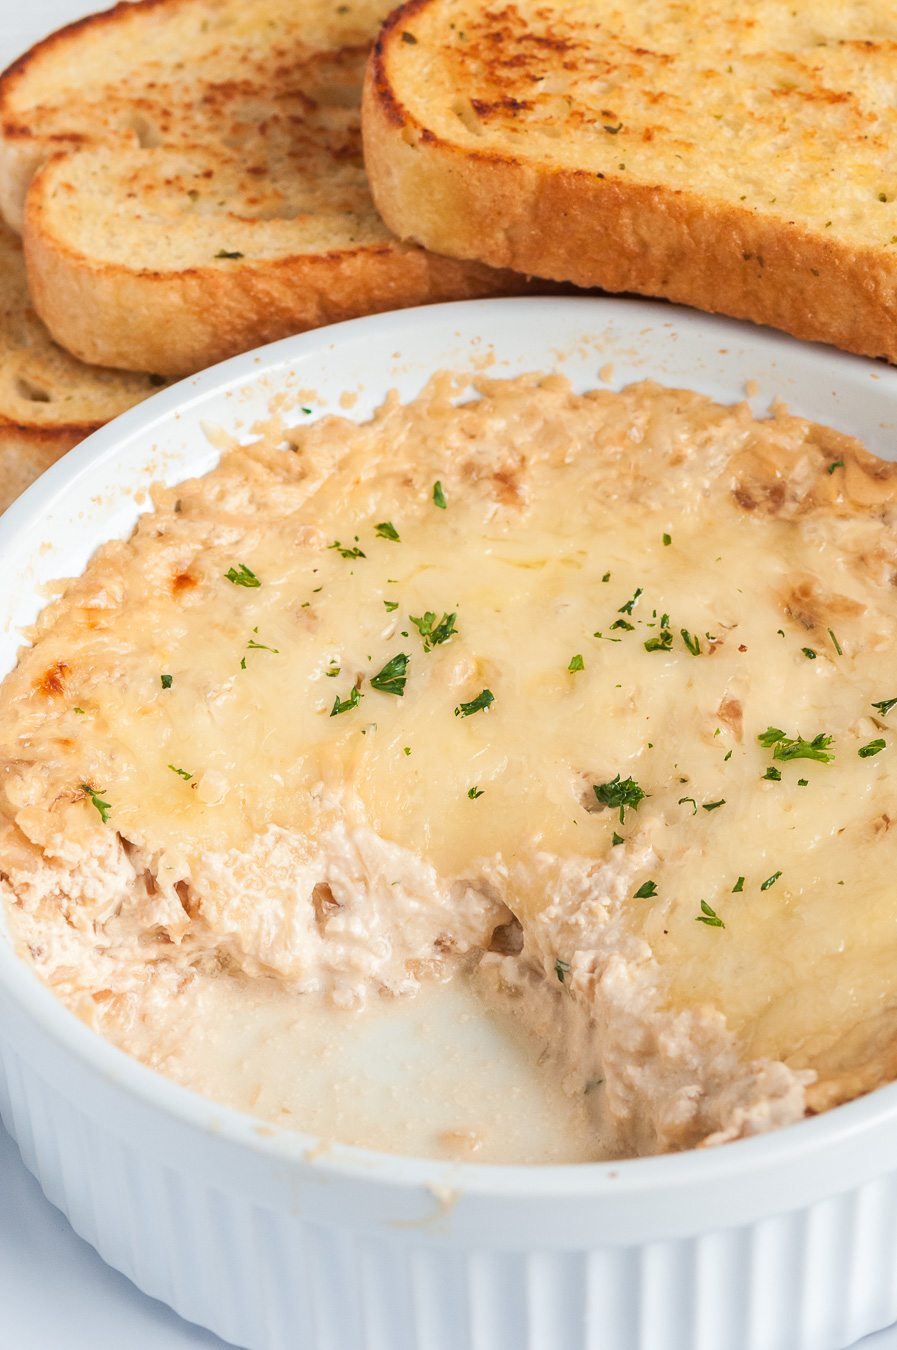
(783, 1242)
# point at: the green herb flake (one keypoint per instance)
(798, 748)
(809, 653)
(386, 530)
(94, 794)
(625, 794)
(622, 623)
(561, 968)
(347, 552)
(482, 700)
(711, 806)
(407, 749)
(166, 681)
(607, 639)
(332, 670)
(627, 608)
(260, 647)
(182, 773)
(770, 881)
(835, 643)
(803, 782)
(617, 839)
(838, 464)
(242, 576)
(345, 704)
(739, 886)
(475, 792)
(727, 756)
(606, 577)
(885, 706)
(709, 916)
(224, 253)
(667, 540)
(773, 774)
(433, 633)
(391, 679)
(694, 804)
(576, 663)
(663, 642)
(867, 751)
(646, 890)
(78, 710)
(439, 496)
(307, 411)
(692, 642)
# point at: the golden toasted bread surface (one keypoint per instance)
(736, 157)
(189, 178)
(48, 400)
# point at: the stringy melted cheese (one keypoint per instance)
(566, 518)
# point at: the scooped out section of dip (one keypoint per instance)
(608, 673)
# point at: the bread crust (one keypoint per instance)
(178, 322)
(573, 225)
(26, 452)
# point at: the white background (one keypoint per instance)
(55, 1292)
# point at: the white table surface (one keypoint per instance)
(55, 1292)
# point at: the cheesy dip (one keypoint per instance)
(585, 702)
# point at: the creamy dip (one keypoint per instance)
(573, 708)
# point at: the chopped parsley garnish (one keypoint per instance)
(838, 464)
(866, 751)
(646, 890)
(391, 679)
(770, 881)
(78, 710)
(224, 253)
(182, 773)
(885, 706)
(94, 794)
(407, 749)
(561, 968)
(667, 540)
(836, 643)
(342, 705)
(773, 774)
(709, 916)
(623, 794)
(692, 643)
(606, 577)
(621, 623)
(617, 839)
(475, 792)
(809, 653)
(260, 647)
(434, 633)
(166, 681)
(694, 804)
(576, 663)
(727, 756)
(627, 608)
(607, 639)
(242, 576)
(347, 552)
(332, 670)
(803, 782)
(739, 886)
(796, 747)
(482, 700)
(439, 496)
(307, 411)
(391, 605)
(711, 806)
(663, 642)
(386, 530)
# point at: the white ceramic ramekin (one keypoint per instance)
(783, 1242)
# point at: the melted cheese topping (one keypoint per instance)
(644, 583)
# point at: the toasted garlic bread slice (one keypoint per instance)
(736, 157)
(188, 175)
(48, 400)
